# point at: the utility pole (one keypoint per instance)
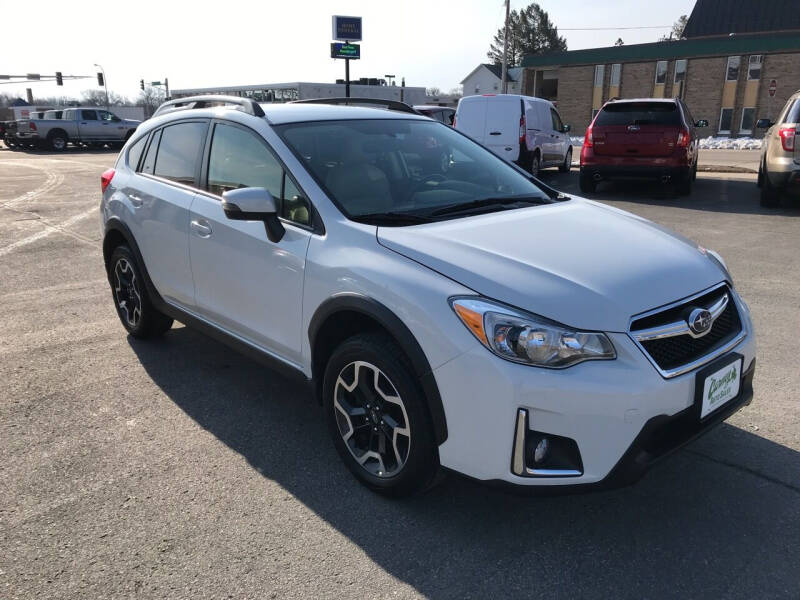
(504, 76)
(347, 77)
(105, 84)
(166, 87)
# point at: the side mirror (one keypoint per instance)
(566, 128)
(702, 123)
(254, 204)
(764, 123)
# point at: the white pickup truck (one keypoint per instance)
(76, 126)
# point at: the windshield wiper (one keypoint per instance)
(506, 201)
(391, 218)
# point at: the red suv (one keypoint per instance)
(643, 138)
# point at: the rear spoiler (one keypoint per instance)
(388, 104)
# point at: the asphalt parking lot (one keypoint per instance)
(180, 469)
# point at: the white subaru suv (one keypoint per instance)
(446, 308)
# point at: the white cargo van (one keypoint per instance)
(521, 129)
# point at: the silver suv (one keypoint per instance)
(779, 170)
(455, 313)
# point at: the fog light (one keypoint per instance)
(542, 450)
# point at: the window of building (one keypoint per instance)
(732, 72)
(725, 119)
(599, 73)
(616, 72)
(754, 69)
(680, 70)
(179, 150)
(748, 118)
(661, 72)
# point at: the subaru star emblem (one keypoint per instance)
(700, 321)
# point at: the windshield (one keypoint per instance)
(406, 167)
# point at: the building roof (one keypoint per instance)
(497, 71)
(695, 47)
(722, 17)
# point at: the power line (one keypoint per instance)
(612, 28)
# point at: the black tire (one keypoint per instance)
(419, 458)
(587, 184)
(770, 195)
(685, 180)
(133, 304)
(57, 141)
(567, 164)
(536, 164)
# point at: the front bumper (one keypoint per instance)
(622, 414)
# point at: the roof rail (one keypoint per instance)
(246, 105)
(389, 104)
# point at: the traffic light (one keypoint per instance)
(141, 84)
(100, 79)
(59, 78)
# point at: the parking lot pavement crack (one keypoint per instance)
(748, 470)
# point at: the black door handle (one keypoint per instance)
(495, 132)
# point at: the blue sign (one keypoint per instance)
(347, 29)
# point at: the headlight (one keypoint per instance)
(524, 338)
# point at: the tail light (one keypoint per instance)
(32, 125)
(787, 138)
(522, 129)
(683, 138)
(588, 142)
(106, 178)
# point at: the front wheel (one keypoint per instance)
(377, 416)
(134, 306)
(567, 165)
(536, 164)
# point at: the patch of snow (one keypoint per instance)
(726, 143)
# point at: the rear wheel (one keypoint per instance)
(378, 417)
(133, 304)
(57, 141)
(587, 184)
(770, 195)
(684, 186)
(567, 164)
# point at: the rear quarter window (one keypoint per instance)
(793, 114)
(639, 113)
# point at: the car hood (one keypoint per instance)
(578, 262)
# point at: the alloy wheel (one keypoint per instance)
(372, 419)
(126, 292)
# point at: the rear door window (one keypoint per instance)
(639, 113)
(179, 150)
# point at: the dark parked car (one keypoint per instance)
(444, 114)
(650, 138)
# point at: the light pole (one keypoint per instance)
(105, 84)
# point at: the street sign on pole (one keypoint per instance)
(347, 29)
(773, 87)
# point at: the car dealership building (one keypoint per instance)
(731, 53)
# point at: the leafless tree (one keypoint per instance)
(98, 98)
(150, 98)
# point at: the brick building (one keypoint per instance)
(722, 68)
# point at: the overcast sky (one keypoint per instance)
(430, 42)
